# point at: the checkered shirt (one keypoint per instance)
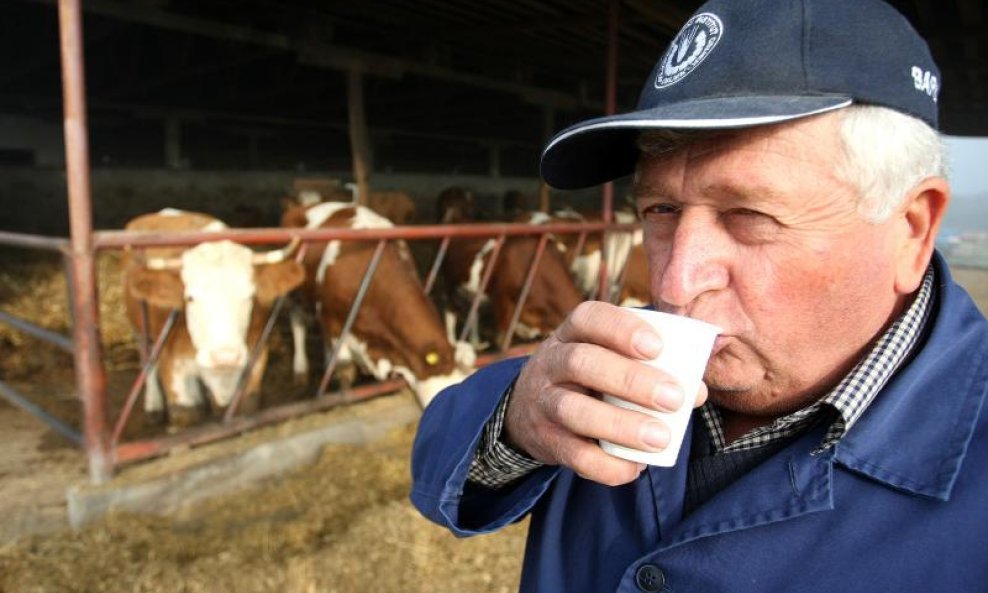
(496, 463)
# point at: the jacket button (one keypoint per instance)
(650, 578)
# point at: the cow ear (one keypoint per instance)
(159, 288)
(292, 213)
(274, 280)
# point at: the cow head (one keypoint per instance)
(454, 205)
(427, 388)
(217, 285)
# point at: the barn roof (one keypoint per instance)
(446, 83)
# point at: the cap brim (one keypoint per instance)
(604, 149)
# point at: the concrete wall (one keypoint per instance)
(34, 200)
(42, 139)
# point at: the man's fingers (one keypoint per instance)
(604, 371)
(596, 419)
(586, 458)
(612, 327)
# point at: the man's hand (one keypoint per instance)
(555, 413)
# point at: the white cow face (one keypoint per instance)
(219, 292)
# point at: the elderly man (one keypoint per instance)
(790, 184)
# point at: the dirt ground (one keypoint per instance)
(341, 525)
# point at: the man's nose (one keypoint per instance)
(696, 261)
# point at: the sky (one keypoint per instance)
(968, 165)
(968, 209)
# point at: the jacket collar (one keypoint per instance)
(915, 434)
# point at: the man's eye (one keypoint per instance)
(745, 212)
(654, 210)
(747, 216)
(751, 226)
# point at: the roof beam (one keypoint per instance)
(668, 17)
(328, 55)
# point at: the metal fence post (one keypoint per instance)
(90, 376)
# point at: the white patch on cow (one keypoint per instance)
(300, 359)
(364, 218)
(357, 351)
(368, 219)
(309, 197)
(568, 213)
(320, 213)
(623, 217)
(329, 256)
(219, 290)
(171, 212)
(344, 356)
(315, 217)
(216, 225)
(426, 390)
(464, 356)
(449, 317)
(586, 269)
(527, 332)
(619, 247)
(221, 383)
(539, 218)
(633, 302)
(185, 383)
(472, 285)
(154, 399)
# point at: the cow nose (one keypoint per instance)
(228, 356)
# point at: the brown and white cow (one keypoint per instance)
(627, 267)
(552, 294)
(224, 291)
(398, 329)
(395, 205)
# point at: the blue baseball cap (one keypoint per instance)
(742, 63)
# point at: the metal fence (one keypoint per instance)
(107, 432)
(100, 437)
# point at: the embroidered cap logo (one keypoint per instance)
(692, 45)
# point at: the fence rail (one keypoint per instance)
(150, 347)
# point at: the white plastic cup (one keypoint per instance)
(686, 347)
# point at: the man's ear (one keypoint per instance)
(922, 214)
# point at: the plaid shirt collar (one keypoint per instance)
(849, 399)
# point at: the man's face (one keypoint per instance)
(756, 233)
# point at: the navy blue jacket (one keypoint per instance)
(899, 504)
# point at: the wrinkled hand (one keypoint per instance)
(555, 413)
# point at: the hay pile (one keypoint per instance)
(33, 287)
(342, 525)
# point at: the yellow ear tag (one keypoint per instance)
(432, 359)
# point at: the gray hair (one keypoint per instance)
(885, 154)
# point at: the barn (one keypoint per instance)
(114, 109)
